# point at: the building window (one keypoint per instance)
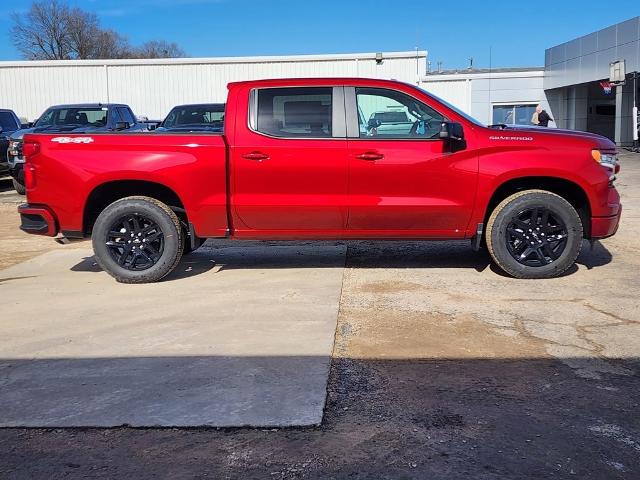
(295, 112)
(513, 114)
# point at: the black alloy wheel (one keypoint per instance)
(536, 237)
(534, 234)
(137, 239)
(135, 242)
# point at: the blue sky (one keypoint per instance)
(452, 31)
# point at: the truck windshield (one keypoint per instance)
(195, 115)
(8, 122)
(96, 117)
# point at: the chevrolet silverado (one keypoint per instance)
(313, 159)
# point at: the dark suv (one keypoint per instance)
(9, 123)
(82, 118)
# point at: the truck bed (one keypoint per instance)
(79, 169)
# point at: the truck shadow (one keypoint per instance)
(190, 266)
(232, 255)
(5, 184)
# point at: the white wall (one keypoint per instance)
(153, 87)
(477, 92)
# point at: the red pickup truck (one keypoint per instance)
(330, 158)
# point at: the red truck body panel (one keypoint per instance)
(320, 188)
(195, 169)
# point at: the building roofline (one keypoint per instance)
(637, 17)
(216, 60)
(476, 71)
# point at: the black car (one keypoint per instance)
(82, 118)
(203, 117)
(9, 123)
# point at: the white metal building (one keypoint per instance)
(153, 87)
(505, 95)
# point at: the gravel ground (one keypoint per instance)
(442, 368)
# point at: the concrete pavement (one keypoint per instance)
(237, 336)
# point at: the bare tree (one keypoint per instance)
(82, 30)
(51, 30)
(43, 32)
(159, 49)
(110, 44)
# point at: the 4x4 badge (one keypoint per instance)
(72, 139)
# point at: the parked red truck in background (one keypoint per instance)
(338, 158)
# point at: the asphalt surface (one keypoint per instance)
(442, 368)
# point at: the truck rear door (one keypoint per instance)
(289, 162)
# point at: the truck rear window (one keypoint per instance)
(295, 112)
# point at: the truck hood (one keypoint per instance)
(542, 132)
(19, 134)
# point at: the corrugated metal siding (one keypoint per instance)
(152, 88)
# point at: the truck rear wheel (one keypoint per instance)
(534, 234)
(137, 240)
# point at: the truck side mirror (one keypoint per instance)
(374, 123)
(121, 126)
(453, 134)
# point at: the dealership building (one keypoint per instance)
(572, 85)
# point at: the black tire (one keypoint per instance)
(19, 187)
(148, 219)
(543, 248)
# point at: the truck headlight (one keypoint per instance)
(607, 160)
(14, 148)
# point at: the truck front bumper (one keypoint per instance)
(38, 220)
(603, 227)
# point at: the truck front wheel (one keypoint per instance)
(534, 234)
(137, 240)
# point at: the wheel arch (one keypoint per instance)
(107, 193)
(567, 189)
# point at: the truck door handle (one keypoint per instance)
(259, 156)
(370, 156)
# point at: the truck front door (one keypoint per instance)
(289, 163)
(402, 178)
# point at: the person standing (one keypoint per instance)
(543, 117)
(534, 117)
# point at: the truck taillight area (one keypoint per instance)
(29, 149)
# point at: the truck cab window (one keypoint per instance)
(294, 112)
(8, 122)
(126, 116)
(395, 115)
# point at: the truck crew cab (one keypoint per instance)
(313, 159)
